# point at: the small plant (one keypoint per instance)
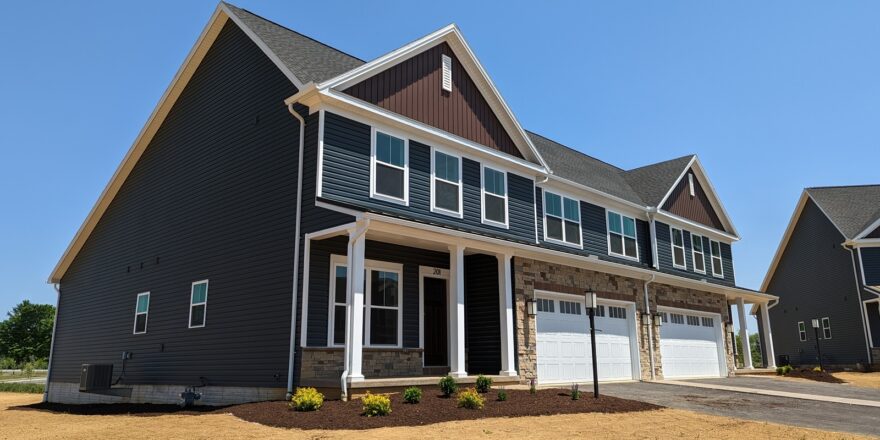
(448, 386)
(532, 389)
(483, 384)
(28, 370)
(780, 371)
(376, 405)
(470, 399)
(575, 392)
(306, 399)
(817, 369)
(786, 369)
(502, 395)
(412, 395)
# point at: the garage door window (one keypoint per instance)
(600, 311)
(545, 305)
(707, 322)
(570, 307)
(676, 318)
(616, 312)
(693, 320)
(664, 317)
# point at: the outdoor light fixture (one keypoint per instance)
(590, 300)
(531, 307)
(816, 323)
(658, 318)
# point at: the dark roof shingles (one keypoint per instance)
(851, 208)
(653, 182)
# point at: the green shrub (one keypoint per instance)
(306, 399)
(470, 399)
(575, 392)
(780, 371)
(448, 386)
(786, 369)
(412, 395)
(7, 364)
(35, 388)
(377, 404)
(502, 395)
(483, 384)
(28, 370)
(817, 369)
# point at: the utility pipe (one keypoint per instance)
(296, 244)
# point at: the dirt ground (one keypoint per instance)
(667, 423)
(867, 380)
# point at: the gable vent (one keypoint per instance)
(691, 184)
(447, 73)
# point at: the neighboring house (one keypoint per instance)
(827, 268)
(292, 215)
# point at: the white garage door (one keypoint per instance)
(563, 339)
(689, 344)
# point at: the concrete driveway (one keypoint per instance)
(797, 412)
(796, 386)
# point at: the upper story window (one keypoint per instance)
(562, 219)
(717, 267)
(390, 170)
(141, 312)
(446, 184)
(678, 249)
(198, 304)
(622, 236)
(697, 253)
(494, 197)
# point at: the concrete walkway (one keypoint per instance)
(764, 391)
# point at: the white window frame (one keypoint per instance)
(672, 231)
(826, 327)
(369, 266)
(336, 261)
(622, 235)
(562, 196)
(434, 179)
(802, 331)
(720, 260)
(191, 304)
(373, 160)
(486, 221)
(136, 313)
(694, 253)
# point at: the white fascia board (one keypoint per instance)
(690, 225)
(868, 230)
(709, 190)
(863, 243)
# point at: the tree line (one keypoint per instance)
(26, 335)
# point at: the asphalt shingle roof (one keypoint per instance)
(851, 208)
(652, 182)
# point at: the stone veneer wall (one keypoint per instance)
(324, 363)
(531, 275)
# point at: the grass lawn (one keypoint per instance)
(4, 377)
(867, 380)
(31, 424)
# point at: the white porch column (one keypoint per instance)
(744, 334)
(505, 309)
(456, 311)
(354, 341)
(770, 362)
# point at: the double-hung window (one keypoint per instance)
(678, 249)
(198, 304)
(446, 184)
(338, 293)
(717, 268)
(390, 170)
(802, 331)
(494, 197)
(562, 219)
(622, 236)
(141, 311)
(826, 328)
(697, 253)
(382, 300)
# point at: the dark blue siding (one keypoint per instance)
(346, 180)
(664, 256)
(871, 265)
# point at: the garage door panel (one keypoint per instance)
(690, 350)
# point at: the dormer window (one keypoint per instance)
(390, 171)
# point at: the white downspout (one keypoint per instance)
(650, 322)
(52, 343)
(861, 304)
(653, 221)
(296, 243)
(353, 236)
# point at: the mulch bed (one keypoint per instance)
(433, 409)
(110, 409)
(818, 376)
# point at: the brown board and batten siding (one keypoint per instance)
(413, 89)
(697, 208)
(875, 234)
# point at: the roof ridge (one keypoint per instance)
(867, 185)
(573, 149)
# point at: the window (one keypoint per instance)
(676, 318)
(707, 322)
(383, 308)
(141, 310)
(616, 312)
(698, 254)
(390, 171)
(678, 249)
(600, 311)
(570, 307)
(717, 268)
(826, 328)
(446, 184)
(545, 305)
(338, 296)
(622, 236)
(198, 304)
(562, 219)
(802, 331)
(494, 197)
(693, 320)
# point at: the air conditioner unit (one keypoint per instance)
(95, 377)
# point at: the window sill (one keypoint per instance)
(625, 257)
(446, 212)
(495, 224)
(563, 243)
(390, 199)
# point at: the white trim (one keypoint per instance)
(868, 230)
(430, 272)
(434, 179)
(369, 266)
(802, 333)
(690, 225)
(490, 222)
(702, 253)
(864, 242)
(136, 313)
(204, 303)
(672, 248)
(713, 256)
(562, 196)
(374, 161)
(319, 172)
(825, 328)
(623, 236)
(335, 261)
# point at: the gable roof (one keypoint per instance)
(853, 209)
(654, 181)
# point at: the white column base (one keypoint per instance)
(509, 373)
(458, 374)
(358, 378)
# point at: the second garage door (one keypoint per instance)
(690, 344)
(563, 340)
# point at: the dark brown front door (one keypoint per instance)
(435, 322)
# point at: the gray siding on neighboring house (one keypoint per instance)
(319, 283)
(213, 197)
(814, 279)
(871, 265)
(664, 256)
(346, 180)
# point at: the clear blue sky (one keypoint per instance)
(773, 97)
